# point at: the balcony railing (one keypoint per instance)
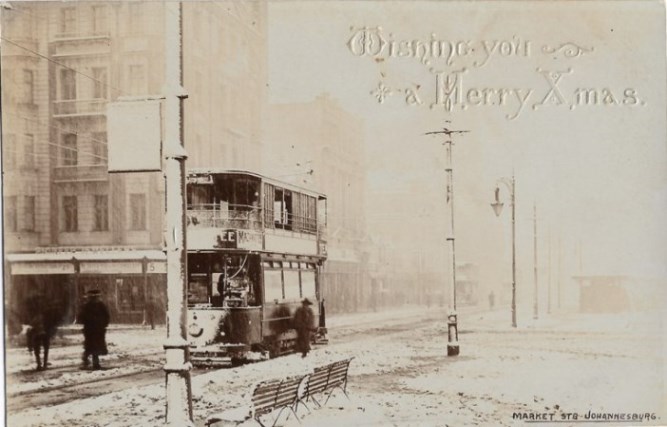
(79, 107)
(78, 173)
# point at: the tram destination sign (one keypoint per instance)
(238, 239)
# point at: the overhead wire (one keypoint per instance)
(60, 64)
(64, 147)
(63, 130)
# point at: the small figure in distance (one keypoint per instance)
(95, 318)
(303, 323)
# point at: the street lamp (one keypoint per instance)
(452, 318)
(497, 209)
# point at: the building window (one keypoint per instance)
(28, 86)
(136, 80)
(68, 20)
(136, 15)
(70, 213)
(9, 151)
(69, 150)
(10, 213)
(99, 143)
(137, 211)
(100, 25)
(29, 213)
(100, 82)
(101, 212)
(129, 295)
(29, 150)
(67, 84)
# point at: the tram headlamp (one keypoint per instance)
(195, 330)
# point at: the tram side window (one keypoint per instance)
(199, 197)
(308, 284)
(292, 291)
(273, 285)
(282, 209)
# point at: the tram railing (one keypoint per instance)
(225, 216)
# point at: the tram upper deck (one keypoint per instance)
(230, 209)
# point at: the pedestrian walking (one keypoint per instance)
(42, 326)
(303, 323)
(95, 318)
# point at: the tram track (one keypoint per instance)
(85, 388)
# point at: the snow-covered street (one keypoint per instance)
(554, 369)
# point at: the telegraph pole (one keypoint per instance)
(549, 275)
(177, 366)
(535, 300)
(452, 321)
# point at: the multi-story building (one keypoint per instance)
(69, 224)
(320, 145)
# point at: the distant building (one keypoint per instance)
(409, 216)
(467, 284)
(320, 145)
(62, 62)
(614, 294)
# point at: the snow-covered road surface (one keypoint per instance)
(555, 368)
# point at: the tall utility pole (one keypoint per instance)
(452, 321)
(497, 209)
(535, 298)
(177, 366)
(549, 275)
(558, 277)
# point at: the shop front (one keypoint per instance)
(132, 282)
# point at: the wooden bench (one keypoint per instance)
(325, 379)
(266, 397)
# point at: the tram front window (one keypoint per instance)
(198, 290)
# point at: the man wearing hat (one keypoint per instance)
(303, 323)
(95, 318)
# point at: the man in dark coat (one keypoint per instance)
(303, 323)
(43, 323)
(95, 318)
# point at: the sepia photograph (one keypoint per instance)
(402, 213)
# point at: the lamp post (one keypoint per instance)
(497, 208)
(452, 320)
(177, 366)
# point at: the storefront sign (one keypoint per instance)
(128, 267)
(24, 268)
(156, 267)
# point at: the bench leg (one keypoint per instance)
(278, 417)
(293, 409)
(315, 400)
(331, 392)
(296, 407)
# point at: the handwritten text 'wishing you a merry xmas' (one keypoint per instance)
(451, 92)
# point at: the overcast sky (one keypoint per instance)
(596, 172)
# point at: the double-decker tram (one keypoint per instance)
(255, 249)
